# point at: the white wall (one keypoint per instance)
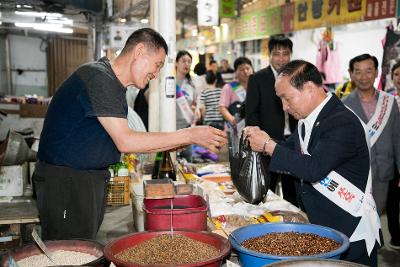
(353, 40)
(27, 56)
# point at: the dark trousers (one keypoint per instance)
(71, 203)
(288, 186)
(392, 207)
(357, 253)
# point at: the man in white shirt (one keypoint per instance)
(329, 158)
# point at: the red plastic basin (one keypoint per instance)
(131, 240)
(189, 213)
(79, 245)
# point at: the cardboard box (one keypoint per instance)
(12, 180)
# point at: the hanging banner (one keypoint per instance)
(380, 9)
(259, 24)
(207, 12)
(227, 8)
(287, 17)
(318, 13)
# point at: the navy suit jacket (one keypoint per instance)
(263, 107)
(337, 143)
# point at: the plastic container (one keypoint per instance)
(189, 213)
(314, 263)
(131, 240)
(252, 258)
(85, 246)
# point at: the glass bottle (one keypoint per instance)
(157, 163)
(167, 169)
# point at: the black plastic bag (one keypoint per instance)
(248, 172)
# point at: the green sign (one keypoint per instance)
(227, 8)
(259, 24)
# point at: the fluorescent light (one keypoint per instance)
(18, 6)
(122, 20)
(144, 21)
(38, 25)
(64, 21)
(27, 6)
(62, 30)
(45, 27)
(38, 14)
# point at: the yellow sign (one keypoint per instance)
(318, 13)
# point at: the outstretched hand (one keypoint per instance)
(208, 137)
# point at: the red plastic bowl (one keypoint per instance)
(85, 246)
(131, 240)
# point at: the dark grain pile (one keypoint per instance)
(168, 249)
(291, 244)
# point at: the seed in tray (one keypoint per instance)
(291, 244)
(168, 249)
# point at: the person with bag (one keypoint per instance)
(328, 155)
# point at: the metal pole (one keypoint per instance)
(10, 90)
(167, 18)
(154, 96)
(98, 37)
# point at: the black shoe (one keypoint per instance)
(394, 244)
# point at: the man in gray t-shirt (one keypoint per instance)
(86, 129)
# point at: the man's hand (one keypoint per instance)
(259, 140)
(207, 136)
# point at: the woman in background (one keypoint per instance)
(209, 100)
(235, 92)
(185, 91)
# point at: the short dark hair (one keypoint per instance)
(362, 58)
(149, 37)
(212, 62)
(279, 41)
(211, 77)
(240, 61)
(300, 72)
(200, 69)
(395, 66)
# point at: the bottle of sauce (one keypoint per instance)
(167, 169)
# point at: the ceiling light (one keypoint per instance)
(1, 22)
(38, 14)
(144, 21)
(62, 30)
(18, 6)
(122, 20)
(27, 6)
(64, 21)
(45, 27)
(38, 25)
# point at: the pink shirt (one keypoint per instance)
(228, 96)
(369, 107)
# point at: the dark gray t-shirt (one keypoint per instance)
(72, 136)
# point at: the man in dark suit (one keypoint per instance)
(264, 108)
(332, 142)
